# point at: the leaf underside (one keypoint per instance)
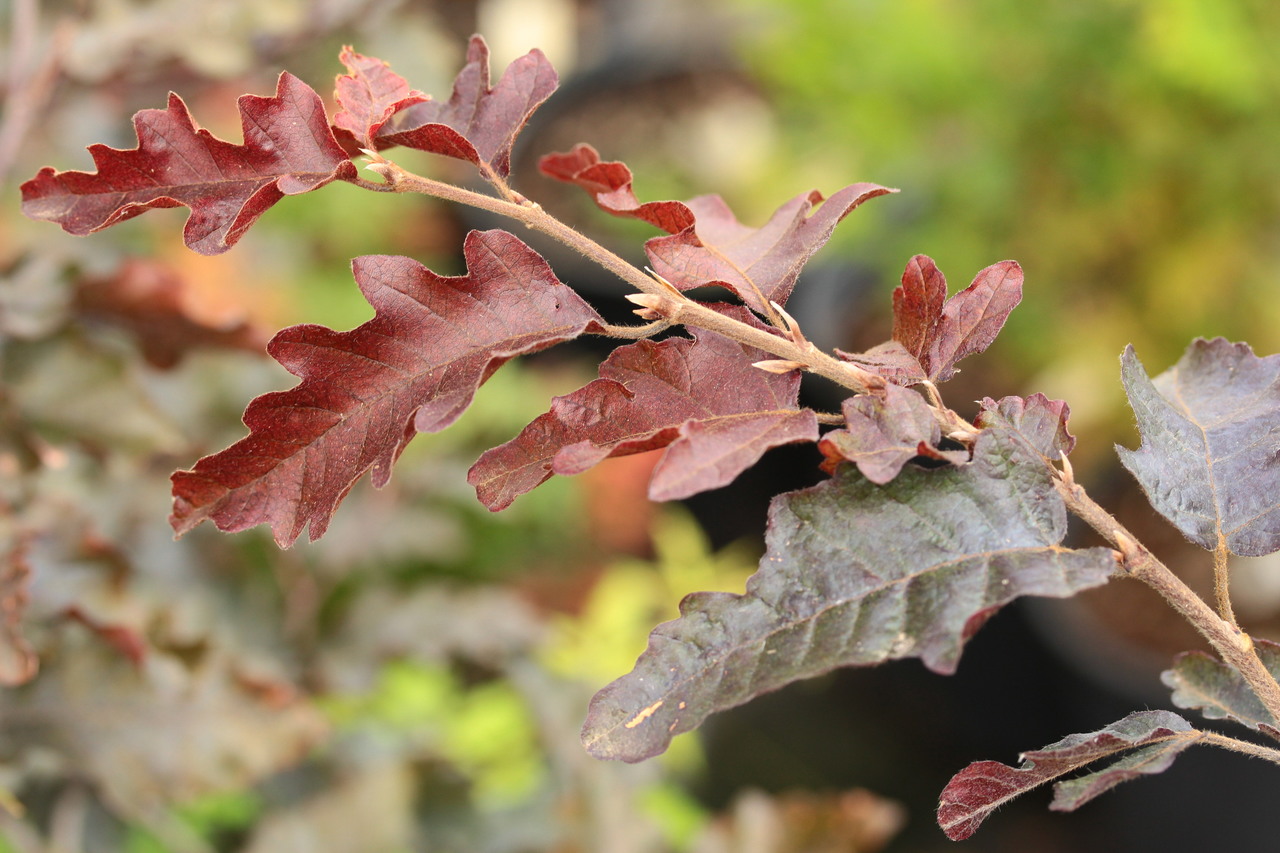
(700, 398)
(1218, 691)
(1210, 454)
(854, 574)
(1156, 738)
(364, 393)
(288, 149)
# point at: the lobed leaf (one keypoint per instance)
(885, 431)
(1218, 691)
(1210, 454)
(978, 790)
(938, 331)
(368, 95)
(700, 398)
(478, 123)
(1040, 421)
(760, 265)
(609, 184)
(364, 393)
(289, 149)
(854, 574)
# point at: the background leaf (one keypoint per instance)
(855, 574)
(364, 393)
(978, 790)
(288, 150)
(1210, 428)
(1218, 691)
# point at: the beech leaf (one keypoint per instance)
(1210, 454)
(939, 333)
(288, 150)
(760, 265)
(1039, 420)
(1218, 691)
(364, 393)
(978, 790)
(884, 431)
(699, 397)
(478, 123)
(854, 574)
(609, 183)
(368, 95)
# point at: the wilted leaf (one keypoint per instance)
(368, 95)
(609, 183)
(288, 150)
(1218, 691)
(978, 790)
(1210, 428)
(855, 574)
(885, 431)
(18, 661)
(700, 398)
(364, 393)
(478, 124)
(1039, 420)
(758, 264)
(940, 333)
(147, 298)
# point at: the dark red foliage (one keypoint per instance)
(288, 149)
(364, 393)
(609, 183)
(368, 95)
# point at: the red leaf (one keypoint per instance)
(885, 431)
(369, 95)
(939, 334)
(147, 298)
(701, 397)
(478, 123)
(364, 393)
(758, 264)
(289, 149)
(609, 183)
(889, 360)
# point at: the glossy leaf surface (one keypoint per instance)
(982, 787)
(1210, 454)
(364, 393)
(699, 397)
(288, 149)
(854, 574)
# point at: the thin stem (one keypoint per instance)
(1221, 582)
(1235, 646)
(668, 303)
(1255, 750)
(634, 333)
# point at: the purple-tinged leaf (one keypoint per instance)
(478, 124)
(1039, 420)
(1210, 454)
(854, 574)
(940, 333)
(609, 183)
(368, 95)
(891, 361)
(982, 787)
(884, 431)
(288, 150)
(1219, 692)
(760, 265)
(700, 398)
(364, 393)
